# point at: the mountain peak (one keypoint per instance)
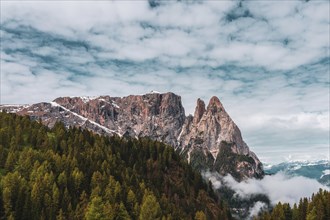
(199, 110)
(215, 101)
(214, 105)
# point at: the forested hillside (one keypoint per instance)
(315, 208)
(71, 173)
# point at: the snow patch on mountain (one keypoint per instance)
(12, 108)
(86, 99)
(154, 92)
(54, 104)
(325, 172)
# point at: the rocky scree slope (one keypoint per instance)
(209, 139)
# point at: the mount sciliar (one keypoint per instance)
(209, 140)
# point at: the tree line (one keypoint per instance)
(315, 208)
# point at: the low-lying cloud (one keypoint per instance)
(258, 206)
(278, 188)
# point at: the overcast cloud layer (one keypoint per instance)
(267, 61)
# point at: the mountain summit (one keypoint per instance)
(209, 140)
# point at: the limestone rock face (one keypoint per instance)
(159, 116)
(207, 139)
(208, 132)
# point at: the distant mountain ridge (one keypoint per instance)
(208, 140)
(318, 170)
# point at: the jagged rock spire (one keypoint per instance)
(199, 110)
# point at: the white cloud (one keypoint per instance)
(278, 187)
(257, 40)
(258, 206)
(300, 120)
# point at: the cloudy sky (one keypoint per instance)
(267, 61)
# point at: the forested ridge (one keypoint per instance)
(71, 173)
(315, 208)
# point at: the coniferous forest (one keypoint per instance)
(315, 208)
(71, 173)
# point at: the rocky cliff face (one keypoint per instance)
(209, 139)
(212, 133)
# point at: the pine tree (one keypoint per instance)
(95, 210)
(131, 200)
(150, 208)
(295, 212)
(200, 215)
(312, 215)
(278, 212)
(60, 215)
(122, 213)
